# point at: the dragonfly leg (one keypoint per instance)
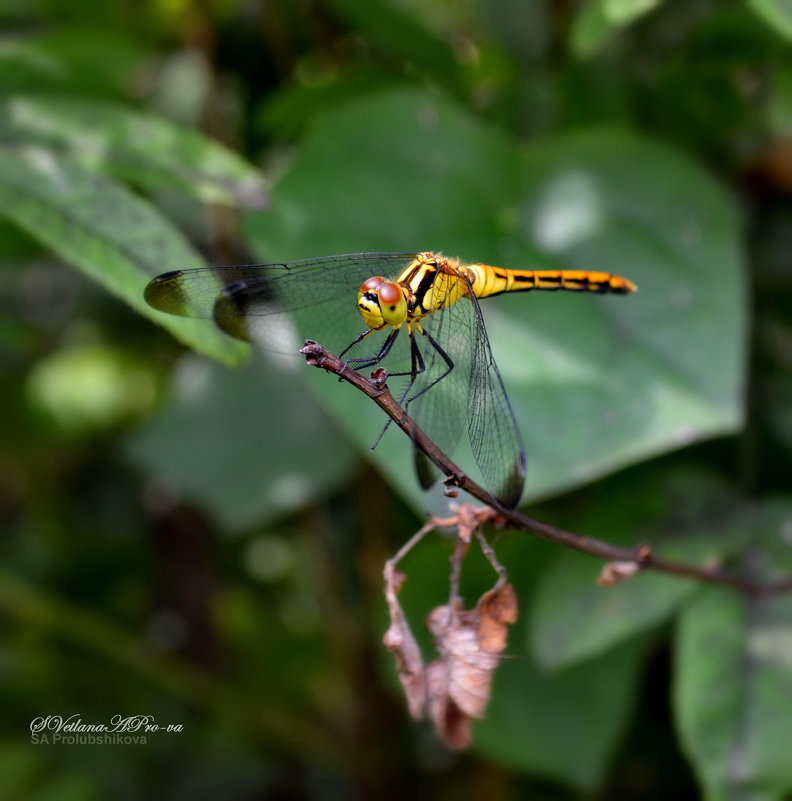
(427, 474)
(370, 361)
(444, 356)
(417, 366)
(354, 342)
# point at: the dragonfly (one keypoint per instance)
(418, 317)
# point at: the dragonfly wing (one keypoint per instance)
(494, 435)
(438, 399)
(472, 395)
(275, 304)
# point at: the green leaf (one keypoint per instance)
(598, 21)
(291, 109)
(20, 766)
(596, 383)
(103, 229)
(64, 59)
(135, 146)
(779, 102)
(622, 12)
(733, 677)
(397, 33)
(91, 387)
(776, 13)
(599, 385)
(563, 726)
(523, 27)
(574, 618)
(246, 466)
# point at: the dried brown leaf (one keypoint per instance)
(497, 608)
(450, 722)
(399, 640)
(456, 686)
(469, 643)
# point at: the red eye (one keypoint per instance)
(371, 284)
(389, 293)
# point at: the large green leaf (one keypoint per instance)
(141, 147)
(596, 383)
(734, 676)
(62, 58)
(598, 20)
(777, 13)
(599, 385)
(103, 229)
(575, 618)
(566, 725)
(395, 32)
(221, 442)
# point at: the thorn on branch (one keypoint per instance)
(618, 570)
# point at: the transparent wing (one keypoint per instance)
(471, 395)
(494, 435)
(278, 305)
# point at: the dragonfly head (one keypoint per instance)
(381, 303)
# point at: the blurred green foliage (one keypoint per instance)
(202, 541)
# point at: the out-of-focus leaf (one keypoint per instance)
(779, 108)
(140, 147)
(777, 13)
(733, 679)
(83, 389)
(24, 66)
(574, 618)
(27, 772)
(626, 11)
(19, 766)
(599, 385)
(778, 402)
(290, 110)
(229, 442)
(591, 29)
(596, 383)
(15, 246)
(598, 20)
(523, 26)
(184, 88)
(103, 229)
(563, 726)
(66, 59)
(399, 35)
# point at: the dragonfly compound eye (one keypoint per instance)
(368, 302)
(393, 304)
(371, 284)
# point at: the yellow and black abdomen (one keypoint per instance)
(488, 281)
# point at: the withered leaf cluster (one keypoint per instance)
(455, 687)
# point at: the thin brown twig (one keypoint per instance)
(641, 555)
